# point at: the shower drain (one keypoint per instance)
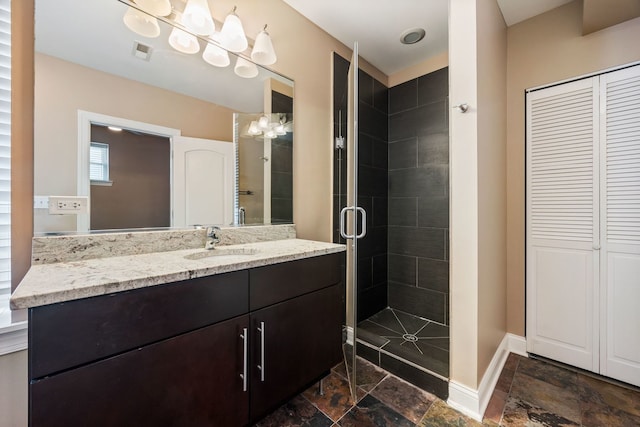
(410, 337)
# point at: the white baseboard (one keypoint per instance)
(13, 338)
(472, 402)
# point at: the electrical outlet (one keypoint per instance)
(69, 205)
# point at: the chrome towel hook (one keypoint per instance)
(463, 108)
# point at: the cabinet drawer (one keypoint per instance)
(74, 333)
(279, 282)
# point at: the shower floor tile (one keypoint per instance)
(408, 337)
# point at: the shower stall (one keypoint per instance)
(400, 298)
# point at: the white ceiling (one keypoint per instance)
(377, 25)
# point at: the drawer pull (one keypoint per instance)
(243, 375)
(261, 365)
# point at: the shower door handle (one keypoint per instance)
(363, 228)
(343, 222)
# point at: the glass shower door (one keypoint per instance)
(353, 218)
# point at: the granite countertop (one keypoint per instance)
(65, 281)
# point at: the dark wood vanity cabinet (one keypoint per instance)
(191, 353)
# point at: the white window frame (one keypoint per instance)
(104, 165)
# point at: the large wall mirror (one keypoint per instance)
(148, 136)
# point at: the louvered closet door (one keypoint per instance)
(562, 223)
(620, 210)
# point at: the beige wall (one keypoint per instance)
(13, 389)
(56, 122)
(541, 50)
(478, 200)
(492, 196)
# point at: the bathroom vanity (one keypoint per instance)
(244, 333)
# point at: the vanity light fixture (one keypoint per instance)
(114, 128)
(245, 69)
(197, 17)
(216, 56)
(232, 34)
(196, 22)
(141, 23)
(263, 52)
(155, 7)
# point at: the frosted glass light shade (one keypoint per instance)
(263, 52)
(271, 134)
(155, 7)
(232, 34)
(246, 69)
(280, 130)
(197, 17)
(183, 42)
(216, 56)
(253, 128)
(141, 23)
(263, 122)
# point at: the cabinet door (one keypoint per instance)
(302, 340)
(190, 380)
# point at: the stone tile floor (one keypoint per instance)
(529, 392)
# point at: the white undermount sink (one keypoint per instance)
(221, 252)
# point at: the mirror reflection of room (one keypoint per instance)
(102, 74)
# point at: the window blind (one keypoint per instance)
(5, 149)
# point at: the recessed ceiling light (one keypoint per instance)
(412, 36)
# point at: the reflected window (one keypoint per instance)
(99, 162)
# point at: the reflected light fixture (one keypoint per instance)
(141, 23)
(232, 34)
(197, 18)
(263, 52)
(182, 41)
(155, 7)
(253, 129)
(270, 126)
(245, 69)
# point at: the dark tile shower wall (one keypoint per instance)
(372, 187)
(418, 218)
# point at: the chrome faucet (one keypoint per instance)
(212, 237)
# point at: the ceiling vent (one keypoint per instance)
(142, 51)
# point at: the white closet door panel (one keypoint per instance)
(620, 206)
(562, 223)
(622, 351)
(562, 324)
(561, 160)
